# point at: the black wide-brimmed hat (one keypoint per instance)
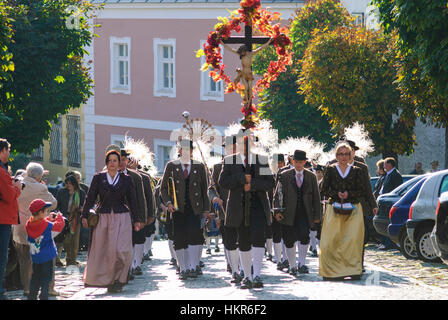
(300, 155)
(279, 157)
(353, 145)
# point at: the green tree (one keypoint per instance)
(281, 102)
(350, 74)
(422, 28)
(49, 77)
(6, 64)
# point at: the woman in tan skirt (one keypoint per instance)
(342, 237)
(110, 251)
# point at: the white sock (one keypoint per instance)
(284, 257)
(139, 254)
(216, 242)
(226, 254)
(133, 258)
(291, 253)
(207, 242)
(269, 246)
(234, 260)
(313, 240)
(303, 249)
(192, 256)
(278, 251)
(257, 259)
(147, 243)
(152, 240)
(180, 254)
(171, 246)
(246, 261)
(187, 259)
(199, 249)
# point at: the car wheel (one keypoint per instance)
(423, 243)
(407, 248)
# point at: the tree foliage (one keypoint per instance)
(6, 64)
(49, 77)
(350, 74)
(281, 102)
(422, 28)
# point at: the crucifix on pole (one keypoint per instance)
(246, 55)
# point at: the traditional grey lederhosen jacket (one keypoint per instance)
(310, 195)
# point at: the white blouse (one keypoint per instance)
(347, 171)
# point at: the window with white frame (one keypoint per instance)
(163, 150)
(165, 68)
(210, 90)
(56, 143)
(359, 18)
(118, 140)
(120, 53)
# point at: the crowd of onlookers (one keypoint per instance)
(27, 229)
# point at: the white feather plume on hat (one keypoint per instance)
(141, 153)
(360, 137)
(267, 137)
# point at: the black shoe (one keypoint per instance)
(257, 283)
(177, 270)
(242, 274)
(286, 264)
(293, 271)
(247, 284)
(236, 278)
(269, 258)
(314, 254)
(173, 262)
(183, 275)
(229, 268)
(192, 274)
(355, 277)
(59, 264)
(131, 275)
(280, 266)
(208, 251)
(150, 253)
(333, 279)
(199, 271)
(217, 249)
(303, 269)
(201, 264)
(138, 271)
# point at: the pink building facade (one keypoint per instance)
(146, 74)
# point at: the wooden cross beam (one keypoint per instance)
(248, 39)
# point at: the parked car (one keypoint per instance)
(398, 215)
(422, 215)
(439, 236)
(386, 201)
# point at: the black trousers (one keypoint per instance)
(276, 231)
(299, 231)
(247, 237)
(187, 229)
(138, 237)
(41, 278)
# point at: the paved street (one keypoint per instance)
(387, 277)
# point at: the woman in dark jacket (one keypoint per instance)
(70, 201)
(342, 237)
(110, 252)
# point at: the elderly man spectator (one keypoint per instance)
(9, 212)
(33, 189)
(418, 169)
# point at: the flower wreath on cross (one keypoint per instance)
(260, 19)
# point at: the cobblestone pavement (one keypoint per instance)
(388, 276)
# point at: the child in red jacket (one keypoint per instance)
(41, 230)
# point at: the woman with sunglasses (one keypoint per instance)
(342, 237)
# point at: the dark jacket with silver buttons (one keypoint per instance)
(199, 200)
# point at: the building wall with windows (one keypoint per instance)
(65, 149)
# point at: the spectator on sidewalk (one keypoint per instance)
(393, 177)
(41, 229)
(70, 202)
(33, 189)
(9, 211)
(418, 169)
(381, 176)
(434, 166)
